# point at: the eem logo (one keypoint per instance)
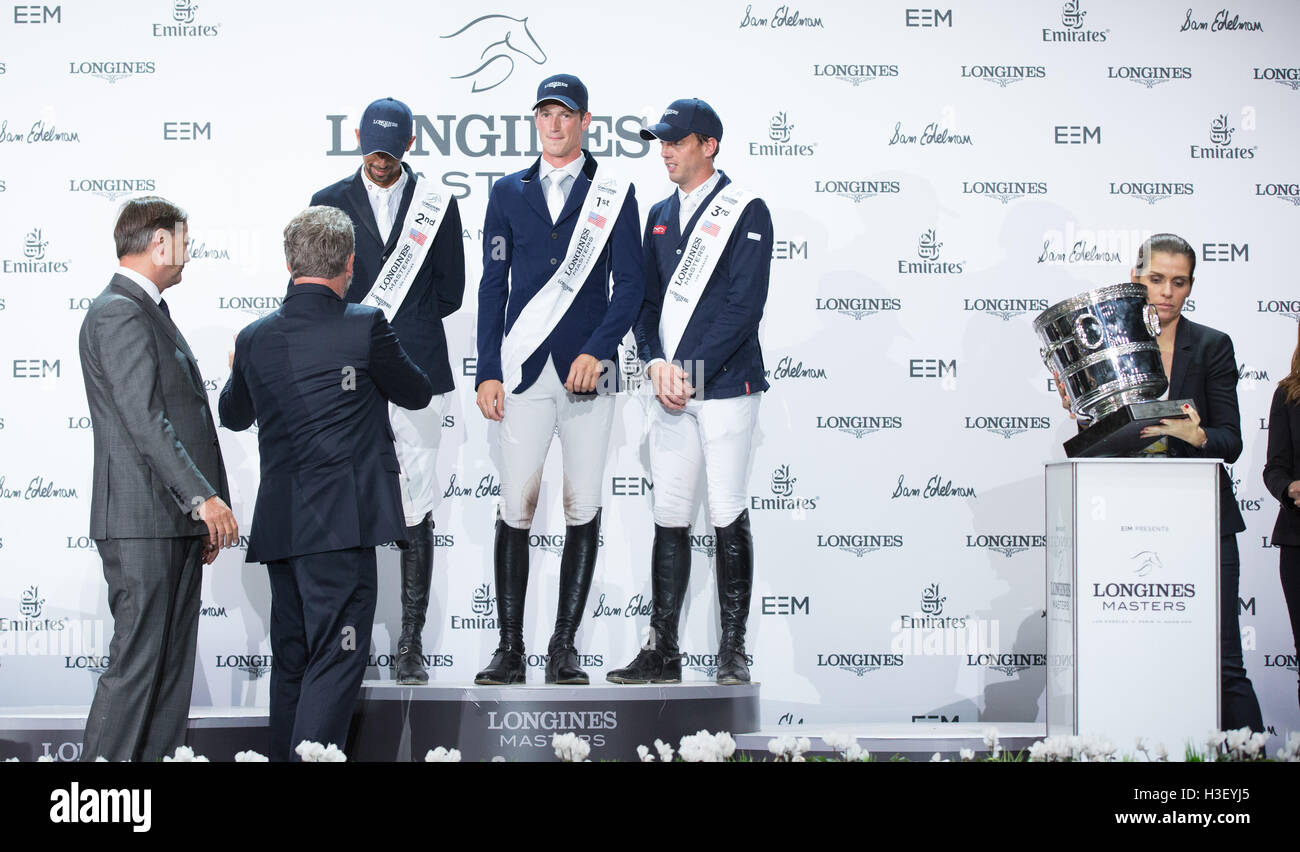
(1008, 544)
(1004, 190)
(859, 425)
(860, 663)
(1285, 191)
(855, 73)
(1221, 147)
(111, 188)
(1008, 427)
(1072, 28)
(184, 14)
(1148, 75)
(1076, 134)
(1225, 252)
(927, 18)
(38, 15)
(1004, 75)
(34, 261)
(1152, 191)
(859, 544)
(784, 497)
(927, 249)
(931, 368)
(35, 368)
(186, 131)
(786, 605)
(630, 486)
(857, 190)
(1005, 309)
(859, 308)
(1286, 76)
(790, 250)
(779, 131)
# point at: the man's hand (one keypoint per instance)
(492, 399)
(671, 385)
(583, 373)
(223, 531)
(1188, 430)
(1293, 491)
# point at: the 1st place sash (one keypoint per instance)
(423, 219)
(707, 242)
(547, 307)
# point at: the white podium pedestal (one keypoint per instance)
(1133, 600)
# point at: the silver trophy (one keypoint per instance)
(1102, 346)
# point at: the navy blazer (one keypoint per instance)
(438, 287)
(723, 332)
(1283, 465)
(521, 244)
(1205, 370)
(317, 375)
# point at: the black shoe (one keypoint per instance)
(417, 571)
(670, 570)
(510, 561)
(577, 566)
(735, 569)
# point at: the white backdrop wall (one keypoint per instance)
(936, 178)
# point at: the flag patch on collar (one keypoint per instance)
(661, 229)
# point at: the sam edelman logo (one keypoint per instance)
(484, 51)
(859, 425)
(1286, 76)
(784, 496)
(1008, 544)
(482, 606)
(1148, 75)
(855, 73)
(859, 663)
(110, 71)
(1284, 307)
(1152, 191)
(857, 190)
(1004, 190)
(1004, 309)
(1224, 21)
(1082, 251)
(487, 487)
(38, 132)
(1004, 75)
(788, 368)
(780, 135)
(184, 23)
(1221, 147)
(255, 665)
(35, 246)
(111, 188)
(859, 307)
(859, 544)
(1072, 26)
(1008, 427)
(933, 134)
(928, 248)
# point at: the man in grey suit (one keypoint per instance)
(158, 508)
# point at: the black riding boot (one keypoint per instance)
(660, 661)
(735, 568)
(417, 571)
(511, 567)
(577, 566)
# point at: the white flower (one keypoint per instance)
(185, 754)
(665, 751)
(500, 758)
(967, 755)
(839, 741)
(1140, 744)
(803, 744)
(780, 745)
(570, 747)
(1214, 743)
(1160, 752)
(309, 751)
(798, 758)
(442, 755)
(47, 758)
(935, 758)
(102, 759)
(11, 760)
(703, 747)
(991, 740)
(333, 754)
(643, 752)
(855, 752)
(1290, 752)
(726, 744)
(251, 756)
(1238, 738)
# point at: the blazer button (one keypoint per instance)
(679, 251)
(554, 261)
(555, 236)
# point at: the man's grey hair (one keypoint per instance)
(318, 242)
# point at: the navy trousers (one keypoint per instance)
(1239, 708)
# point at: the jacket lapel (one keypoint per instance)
(130, 289)
(533, 191)
(361, 203)
(1182, 353)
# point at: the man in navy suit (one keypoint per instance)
(416, 282)
(548, 334)
(317, 376)
(708, 250)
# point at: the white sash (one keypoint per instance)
(423, 218)
(547, 307)
(707, 242)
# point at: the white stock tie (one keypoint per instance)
(555, 194)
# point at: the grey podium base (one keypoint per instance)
(217, 733)
(402, 723)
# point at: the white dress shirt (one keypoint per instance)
(384, 202)
(689, 201)
(150, 289)
(554, 185)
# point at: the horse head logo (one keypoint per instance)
(488, 48)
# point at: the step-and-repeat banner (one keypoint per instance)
(936, 176)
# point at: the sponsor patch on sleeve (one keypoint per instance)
(660, 229)
(755, 237)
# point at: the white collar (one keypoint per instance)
(701, 191)
(150, 288)
(571, 168)
(383, 191)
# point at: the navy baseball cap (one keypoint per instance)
(683, 117)
(386, 126)
(563, 88)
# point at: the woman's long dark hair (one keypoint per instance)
(1291, 384)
